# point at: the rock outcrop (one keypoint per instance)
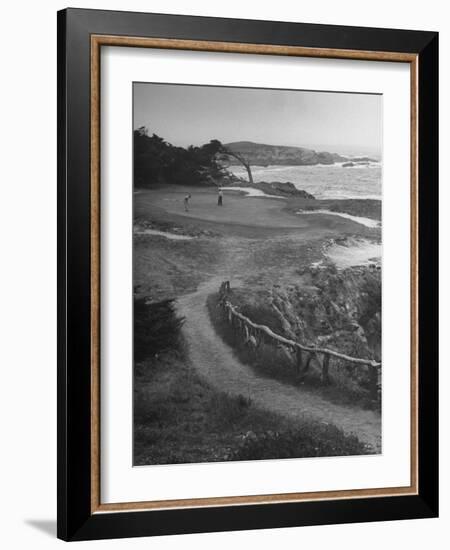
(340, 309)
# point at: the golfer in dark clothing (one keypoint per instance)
(220, 198)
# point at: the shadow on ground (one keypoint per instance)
(46, 526)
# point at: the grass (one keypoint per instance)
(166, 268)
(368, 208)
(178, 418)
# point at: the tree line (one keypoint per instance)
(158, 162)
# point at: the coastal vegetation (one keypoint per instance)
(335, 309)
(156, 327)
(180, 418)
(158, 162)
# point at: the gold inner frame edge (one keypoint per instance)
(97, 41)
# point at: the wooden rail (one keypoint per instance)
(253, 331)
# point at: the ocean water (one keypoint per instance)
(324, 182)
(354, 252)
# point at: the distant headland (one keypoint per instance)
(261, 154)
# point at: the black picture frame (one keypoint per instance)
(75, 518)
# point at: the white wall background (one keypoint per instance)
(28, 271)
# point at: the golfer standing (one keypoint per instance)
(220, 198)
(186, 201)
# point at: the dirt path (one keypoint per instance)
(216, 362)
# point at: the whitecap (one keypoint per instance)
(354, 253)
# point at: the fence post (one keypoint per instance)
(304, 368)
(373, 382)
(299, 361)
(325, 369)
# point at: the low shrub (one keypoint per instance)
(156, 327)
(227, 409)
(309, 441)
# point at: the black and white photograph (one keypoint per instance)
(256, 273)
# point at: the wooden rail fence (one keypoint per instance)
(255, 334)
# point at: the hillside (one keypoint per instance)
(263, 155)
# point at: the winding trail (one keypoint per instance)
(215, 361)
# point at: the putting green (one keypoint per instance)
(236, 209)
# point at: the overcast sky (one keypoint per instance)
(193, 115)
